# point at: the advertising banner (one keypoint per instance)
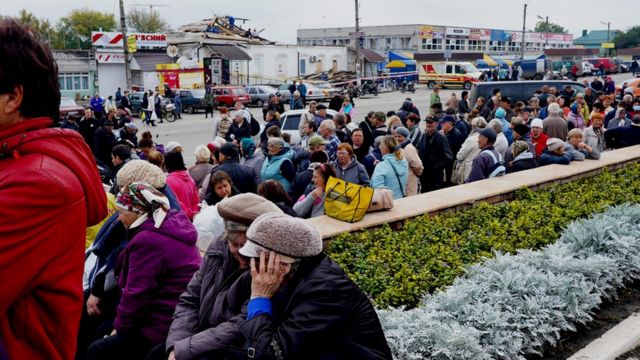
(114, 39)
(457, 32)
(479, 34)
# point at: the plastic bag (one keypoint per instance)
(209, 225)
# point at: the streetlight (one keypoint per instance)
(608, 23)
(546, 33)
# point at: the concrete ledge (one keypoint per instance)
(489, 190)
(615, 342)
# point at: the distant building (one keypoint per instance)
(594, 39)
(420, 38)
(76, 72)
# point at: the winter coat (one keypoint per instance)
(594, 138)
(616, 123)
(203, 320)
(280, 168)
(199, 172)
(622, 137)
(263, 135)
(391, 174)
(301, 182)
(435, 153)
(455, 140)
(71, 125)
(97, 105)
(87, 128)
(297, 104)
(415, 168)
(467, 153)
(524, 161)
(255, 163)
(501, 145)
(540, 143)
(221, 126)
(51, 192)
(307, 206)
(185, 190)
(242, 176)
(548, 158)
(508, 156)
(354, 173)
(483, 165)
(361, 152)
(577, 120)
(573, 152)
(320, 314)
(153, 270)
(103, 143)
(555, 127)
(370, 160)
(238, 132)
(415, 134)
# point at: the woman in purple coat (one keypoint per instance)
(152, 272)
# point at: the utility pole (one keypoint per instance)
(546, 36)
(524, 24)
(357, 44)
(127, 60)
(608, 37)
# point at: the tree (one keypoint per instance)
(628, 39)
(542, 26)
(40, 27)
(146, 21)
(74, 30)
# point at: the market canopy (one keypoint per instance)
(400, 64)
(229, 52)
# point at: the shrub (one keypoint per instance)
(397, 268)
(512, 305)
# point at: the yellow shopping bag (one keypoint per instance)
(346, 201)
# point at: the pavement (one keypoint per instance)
(617, 341)
(194, 130)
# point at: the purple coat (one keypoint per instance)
(154, 269)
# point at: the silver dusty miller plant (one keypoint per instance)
(512, 305)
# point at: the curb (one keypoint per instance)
(620, 339)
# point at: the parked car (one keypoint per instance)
(136, 102)
(290, 121)
(313, 92)
(610, 66)
(259, 94)
(519, 90)
(632, 83)
(327, 89)
(68, 107)
(587, 68)
(192, 100)
(229, 95)
(622, 66)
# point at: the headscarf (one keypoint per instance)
(519, 147)
(141, 198)
(501, 113)
(574, 108)
(248, 147)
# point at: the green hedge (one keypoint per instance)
(397, 268)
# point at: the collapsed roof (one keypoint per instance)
(224, 28)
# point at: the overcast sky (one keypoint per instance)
(281, 18)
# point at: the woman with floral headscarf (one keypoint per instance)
(152, 271)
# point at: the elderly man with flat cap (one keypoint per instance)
(203, 323)
(302, 304)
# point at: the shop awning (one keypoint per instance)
(147, 61)
(371, 56)
(230, 52)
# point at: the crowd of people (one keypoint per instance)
(157, 286)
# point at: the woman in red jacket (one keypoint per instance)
(50, 192)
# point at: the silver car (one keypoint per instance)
(313, 92)
(260, 94)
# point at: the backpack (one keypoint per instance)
(255, 126)
(498, 168)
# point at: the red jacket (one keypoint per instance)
(50, 192)
(540, 143)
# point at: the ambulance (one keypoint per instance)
(450, 73)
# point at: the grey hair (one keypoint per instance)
(329, 124)
(554, 109)
(517, 120)
(496, 125)
(479, 123)
(202, 153)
